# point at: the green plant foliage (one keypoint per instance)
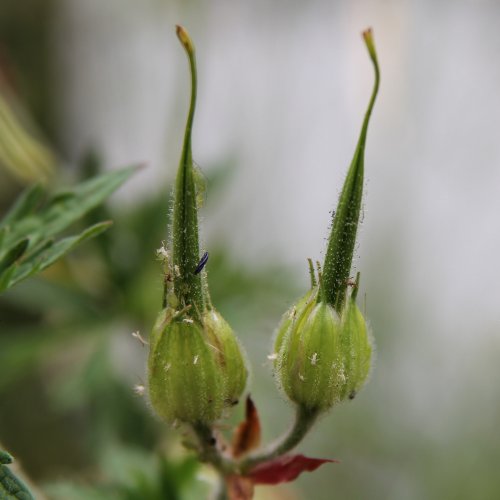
(11, 487)
(132, 474)
(28, 231)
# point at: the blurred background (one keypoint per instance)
(282, 91)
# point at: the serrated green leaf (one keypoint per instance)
(66, 207)
(46, 258)
(11, 487)
(31, 235)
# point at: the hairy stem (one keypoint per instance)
(304, 419)
(208, 451)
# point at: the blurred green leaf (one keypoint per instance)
(40, 261)
(26, 237)
(24, 205)
(133, 474)
(62, 209)
(11, 487)
(12, 254)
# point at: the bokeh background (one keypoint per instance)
(282, 90)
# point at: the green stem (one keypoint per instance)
(185, 255)
(340, 251)
(222, 493)
(208, 451)
(304, 419)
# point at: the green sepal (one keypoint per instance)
(228, 356)
(293, 315)
(341, 243)
(356, 345)
(309, 360)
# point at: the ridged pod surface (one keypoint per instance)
(228, 355)
(357, 346)
(185, 383)
(289, 318)
(321, 358)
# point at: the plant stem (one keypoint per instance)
(226, 466)
(304, 419)
(222, 493)
(209, 451)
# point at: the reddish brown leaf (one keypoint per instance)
(285, 468)
(247, 435)
(239, 488)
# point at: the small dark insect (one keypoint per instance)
(201, 264)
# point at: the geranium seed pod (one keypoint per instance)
(323, 359)
(185, 382)
(195, 367)
(322, 348)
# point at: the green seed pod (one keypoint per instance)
(322, 358)
(185, 381)
(322, 348)
(228, 356)
(195, 367)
